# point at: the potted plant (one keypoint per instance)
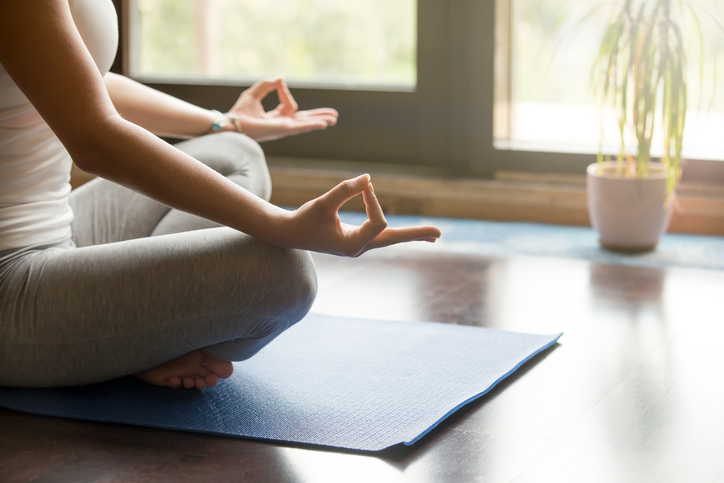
(640, 71)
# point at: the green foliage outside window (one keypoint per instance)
(324, 41)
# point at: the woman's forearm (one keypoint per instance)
(155, 111)
(122, 152)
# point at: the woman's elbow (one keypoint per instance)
(91, 146)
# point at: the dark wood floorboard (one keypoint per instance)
(632, 393)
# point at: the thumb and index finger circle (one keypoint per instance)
(376, 222)
(346, 190)
(259, 91)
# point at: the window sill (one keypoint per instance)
(511, 196)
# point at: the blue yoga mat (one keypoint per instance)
(347, 383)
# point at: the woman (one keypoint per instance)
(110, 280)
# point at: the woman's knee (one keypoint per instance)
(273, 281)
(301, 286)
(234, 155)
(248, 161)
(243, 144)
(288, 292)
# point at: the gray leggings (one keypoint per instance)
(135, 287)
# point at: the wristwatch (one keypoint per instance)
(221, 120)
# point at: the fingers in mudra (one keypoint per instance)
(284, 120)
(342, 239)
(326, 114)
(287, 105)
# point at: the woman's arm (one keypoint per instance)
(166, 115)
(42, 51)
(155, 111)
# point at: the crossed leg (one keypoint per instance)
(175, 309)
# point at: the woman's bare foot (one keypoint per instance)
(194, 369)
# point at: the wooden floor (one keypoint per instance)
(634, 392)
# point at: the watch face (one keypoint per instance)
(219, 121)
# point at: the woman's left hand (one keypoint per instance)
(316, 224)
(284, 120)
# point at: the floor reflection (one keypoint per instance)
(544, 295)
(318, 466)
(627, 292)
(442, 288)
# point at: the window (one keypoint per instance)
(552, 106)
(325, 43)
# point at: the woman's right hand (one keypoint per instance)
(284, 120)
(316, 225)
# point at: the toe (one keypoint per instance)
(211, 379)
(187, 371)
(221, 367)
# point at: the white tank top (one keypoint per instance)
(34, 165)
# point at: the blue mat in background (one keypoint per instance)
(495, 238)
(347, 383)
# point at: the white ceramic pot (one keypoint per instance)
(629, 214)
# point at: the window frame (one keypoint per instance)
(446, 123)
